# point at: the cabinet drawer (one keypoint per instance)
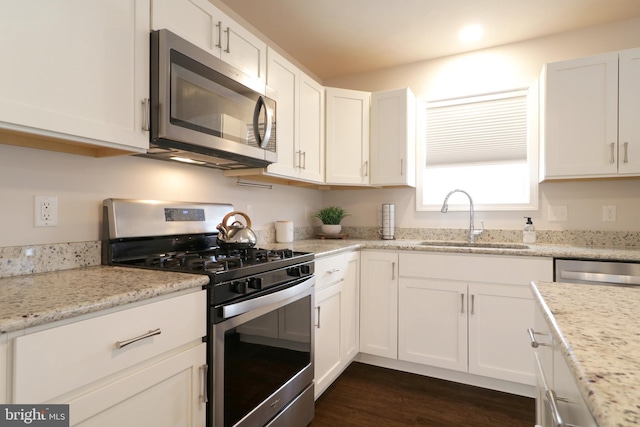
(55, 361)
(331, 269)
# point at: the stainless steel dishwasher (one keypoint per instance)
(597, 272)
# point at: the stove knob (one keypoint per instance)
(255, 283)
(239, 287)
(294, 271)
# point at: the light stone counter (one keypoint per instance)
(598, 328)
(331, 247)
(36, 299)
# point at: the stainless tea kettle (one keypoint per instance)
(236, 235)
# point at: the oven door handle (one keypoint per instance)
(252, 304)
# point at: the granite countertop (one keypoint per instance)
(37, 299)
(331, 247)
(598, 328)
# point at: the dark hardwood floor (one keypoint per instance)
(367, 395)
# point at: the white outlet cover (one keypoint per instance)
(41, 205)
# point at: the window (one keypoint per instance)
(485, 145)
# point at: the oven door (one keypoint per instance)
(263, 359)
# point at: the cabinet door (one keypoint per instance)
(350, 327)
(347, 127)
(283, 78)
(196, 21)
(499, 347)
(629, 125)
(379, 303)
(571, 404)
(78, 70)
(393, 137)
(243, 50)
(169, 393)
(311, 129)
(432, 323)
(581, 117)
(327, 357)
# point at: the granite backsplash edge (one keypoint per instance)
(21, 260)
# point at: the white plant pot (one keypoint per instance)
(331, 228)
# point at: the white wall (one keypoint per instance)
(505, 67)
(81, 183)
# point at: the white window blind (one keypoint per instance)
(483, 129)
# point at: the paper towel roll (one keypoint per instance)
(284, 231)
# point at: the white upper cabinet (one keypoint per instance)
(311, 149)
(629, 113)
(347, 142)
(585, 105)
(202, 24)
(393, 138)
(283, 78)
(300, 126)
(75, 71)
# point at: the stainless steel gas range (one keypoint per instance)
(260, 337)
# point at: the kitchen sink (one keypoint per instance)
(459, 244)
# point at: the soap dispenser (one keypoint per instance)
(529, 232)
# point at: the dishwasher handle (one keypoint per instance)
(587, 276)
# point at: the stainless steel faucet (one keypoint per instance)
(472, 231)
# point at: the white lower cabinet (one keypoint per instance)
(459, 312)
(336, 317)
(554, 380)
(468, 312)
(379, 303)
(158, 378)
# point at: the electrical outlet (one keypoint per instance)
(609, 213)
(46, 211)
(557, 213)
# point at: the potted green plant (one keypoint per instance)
(331, 217)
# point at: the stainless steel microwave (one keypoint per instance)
(206, 112)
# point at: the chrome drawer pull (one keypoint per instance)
(204, 370)
(335, 270)
(120, 344)
(534, 343)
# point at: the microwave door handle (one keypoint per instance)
(268, 116)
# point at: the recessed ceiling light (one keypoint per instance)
(471, 33)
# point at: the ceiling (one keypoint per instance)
(340, 37)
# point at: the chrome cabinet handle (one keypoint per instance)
(120, 344)
(534, 342)
(366, 168)
(613, 159)
(203, 385)
(473, 303)
(304, 160)
(335, 270)
(318, 317)
(228, 32)
(461, 303)
(553, 405)
(219, 25)
(299, 154)
(146, 111)
(393, 271)
(626, 152)
(401, 167)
